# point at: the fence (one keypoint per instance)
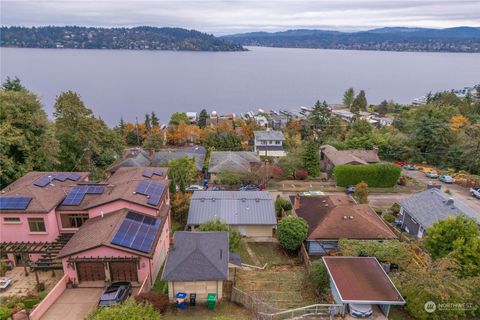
(50, 299)
(305, 257)
(264, 311)
(145, 285)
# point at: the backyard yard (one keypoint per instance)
(284, 283)
(225, 310)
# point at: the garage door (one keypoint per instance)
(90, 271)
(123, 271)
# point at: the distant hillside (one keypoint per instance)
(460, 39)
(139, 38)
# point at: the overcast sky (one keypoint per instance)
(224, 17)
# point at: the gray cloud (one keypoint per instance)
(221, 17)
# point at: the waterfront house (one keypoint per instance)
(269, 143)
(421, 210)
(335, 217)
(250, 212)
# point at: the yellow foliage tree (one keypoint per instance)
(458, 121)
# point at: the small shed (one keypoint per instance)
(197, 263)
(361, 280)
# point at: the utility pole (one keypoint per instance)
(136, 126)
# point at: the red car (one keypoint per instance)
(399, 163)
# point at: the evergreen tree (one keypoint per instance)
(311, 159)
(202, 118)
(360, 103)
(148, 122)
(121, 125)
(172, 188)
(383, 108)
(319, 118)
(12, 84)
(348, 97)
(154, 120)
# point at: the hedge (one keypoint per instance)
(381, 175)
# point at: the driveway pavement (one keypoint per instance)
(73, 304)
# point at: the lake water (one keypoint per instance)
(117, 83)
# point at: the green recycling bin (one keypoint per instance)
(211, 300)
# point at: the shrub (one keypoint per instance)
(402, 181)
(281, 203)
(319, 276)
(392, 251)
(395, 209)
(277, 172)
(41, 295)
(5, 313)
(291, 232)
(361, 193)
(229, 178)
(217, 225)
(389, 218)
(159, 301)
(375, 175)
(130, 310)
(301, 174)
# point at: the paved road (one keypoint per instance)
(457, 191)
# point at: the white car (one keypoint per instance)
(313, 193)
(360, 310)
(475, 191)
(193, 188)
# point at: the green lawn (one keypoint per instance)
(244, 256)
(159, 285)
(399, 313)
(272, 254)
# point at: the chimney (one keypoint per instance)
(296, 203)
(101, 214)
(152, 152)
(450, 202)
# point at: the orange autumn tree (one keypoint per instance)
(183, 134)
(458, 121)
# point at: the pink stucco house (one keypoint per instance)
(120, 227)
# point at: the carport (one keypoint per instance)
(361, 281)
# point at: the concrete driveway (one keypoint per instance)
(74, 304)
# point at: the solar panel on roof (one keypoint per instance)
(147, 174)
(76, 194)
(158, 172)
(43, 181)
(137, 232)
(73, 176)
(60, 177)
(14, 203)
(152, 189)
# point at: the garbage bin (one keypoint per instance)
(211, 300)
(193, 299)
(181, 298)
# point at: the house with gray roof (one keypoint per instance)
(423, 209)
(198, 262)
(141, 158)
(235, 161)
(269, 143)
(250, 212)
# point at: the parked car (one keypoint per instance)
(360, 310)
(250, 187)
(399, 163)
(447, 179)
(313, 193)
(432, 174)
(194, 187)
(409, 167)
(115, 293)
(350, 190)
(217, 188)
(475, 191)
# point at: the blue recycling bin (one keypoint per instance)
(181, 299)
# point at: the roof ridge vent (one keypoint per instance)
(244, 199)
(345, 217)
(350, 217)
